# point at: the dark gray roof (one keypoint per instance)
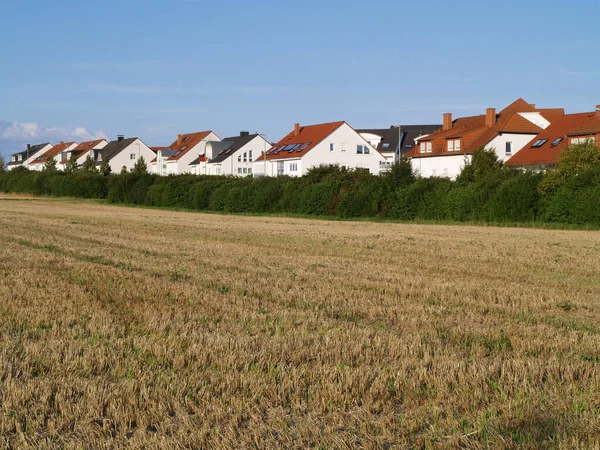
(235, 143)
(115, 147)
(33, 149)
(399, 137)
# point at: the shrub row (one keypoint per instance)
(497, 195)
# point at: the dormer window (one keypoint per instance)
(454, 145)
(425, 147)
(582, 140)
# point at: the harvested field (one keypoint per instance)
(157, 329)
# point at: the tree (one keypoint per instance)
(71, 165)
(140, 166)
(573, 161)
(401, 173)
(89, 166)
(2, 164)
(124, 170)
(105, 168)
(483, 163)
(50, 165)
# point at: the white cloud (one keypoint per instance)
(14, 136)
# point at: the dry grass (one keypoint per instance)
(152, 329)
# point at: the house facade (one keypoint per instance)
(177, 158)
(55, 152)
(396, 141)
(123, 153)
(314, 145)
(26, 156)
(446, 151)
(235, 155)
(543, 151)
(85, 149)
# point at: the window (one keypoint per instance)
(293, 167)
(132, 156)
(239, 170)
(359, 149)
(539, 143)
(331, 147)
(581, 140)
(250, 156)
(245, 157)
(555, 142)
(239, 158)
(386, 145)
(244, 170)
(183, 148)
(453, 145)
(366, 149)
(344, 146)
(363, 149)
(508, 150)
(249, 170)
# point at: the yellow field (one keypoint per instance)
(145, 328)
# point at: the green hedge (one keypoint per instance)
(498, 195)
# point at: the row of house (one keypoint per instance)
(521, 135)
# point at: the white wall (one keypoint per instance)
(123, 158)
(498, 144)
(321, 155)
(348, 158)
(84, 156)
(440, 166)
(373, 139)
(235, 164)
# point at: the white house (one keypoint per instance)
(55, 152)
(26, 156)
(85, 149)
(176, 159)
(446, 151)
(123, 153)
(313, 145)
(397, 140)
(234, 155)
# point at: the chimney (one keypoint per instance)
(490, 117)
(447, 122)
(62, 142)
(28, 146)
(296, 129)
(120, 137)
(178, 139)
(244, 133)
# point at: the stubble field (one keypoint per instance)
(125, 327)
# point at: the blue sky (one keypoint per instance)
(155, 68)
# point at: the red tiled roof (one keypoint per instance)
(474, 133)
(185, 143)
(308, 137)
(52, 152)
(89, 145)
(582, 124)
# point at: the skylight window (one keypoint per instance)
(539, 143)
(556, 142)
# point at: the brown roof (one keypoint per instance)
(52, 152)
(546, 153)
(474, 133)
(306, 138)
(185, 142)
